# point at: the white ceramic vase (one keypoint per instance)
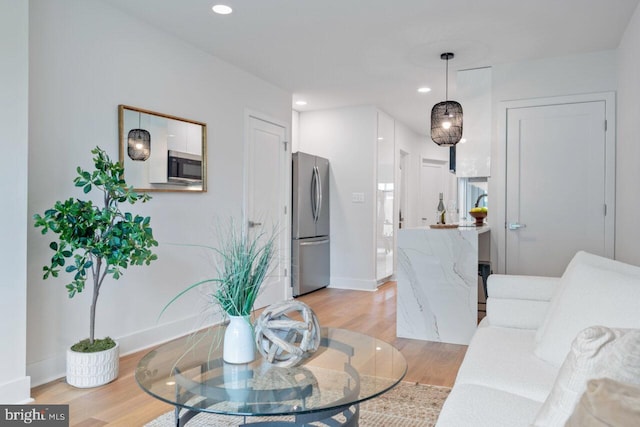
(85, 370)
(238, 344)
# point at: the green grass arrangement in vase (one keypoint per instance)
(97, 240)
(243, 261)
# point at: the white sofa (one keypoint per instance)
(525, 366)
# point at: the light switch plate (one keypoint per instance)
(357, 197)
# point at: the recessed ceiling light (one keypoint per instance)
(301, 102)
(424, 89)
(222, 9)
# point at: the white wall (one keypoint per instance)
(86, 58)
(586, 73)
(628, 144)
(14, 38)
(417, 147)
(295, 131)
(347, 137)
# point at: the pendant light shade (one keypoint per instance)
(446, 116)
(139, 144)
(446, 123)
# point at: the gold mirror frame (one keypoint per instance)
(169, 162)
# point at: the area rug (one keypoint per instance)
(406, 405)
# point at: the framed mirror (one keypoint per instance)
(161, 152)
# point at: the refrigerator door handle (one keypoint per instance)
(315, 193)
(319, 181)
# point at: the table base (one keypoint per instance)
(350, 416)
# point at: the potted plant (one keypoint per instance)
(243, 261)
(98, 240)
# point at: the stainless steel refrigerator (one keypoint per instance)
(310, 232)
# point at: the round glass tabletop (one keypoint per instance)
(348, 368)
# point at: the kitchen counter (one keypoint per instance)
(438, 282)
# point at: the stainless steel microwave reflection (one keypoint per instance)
(184, 168)
(162, 152)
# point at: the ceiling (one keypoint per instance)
(335, 53)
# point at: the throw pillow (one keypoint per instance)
(581, 257)
(607, 403)
(593, 291)
(596, 352)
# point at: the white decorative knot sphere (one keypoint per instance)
(284, 340)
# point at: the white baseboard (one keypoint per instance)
(53, 368)
(384, 280)
(16, 392)
(47, 370)
(353, 284)
(162, 333)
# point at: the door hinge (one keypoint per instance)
(285, 210)
(286, 273)
(605, 125)
(605, 209)
(285, 145)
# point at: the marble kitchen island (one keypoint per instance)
(438, 283)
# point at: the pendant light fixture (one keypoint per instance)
(446, 116)
(139, 143)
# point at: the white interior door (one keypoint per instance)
(559, 186)
(267, 165)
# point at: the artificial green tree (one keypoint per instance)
(97, 240)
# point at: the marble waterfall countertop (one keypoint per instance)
(438, 283)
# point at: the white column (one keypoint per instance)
(14, 86)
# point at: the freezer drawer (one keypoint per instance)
(309, 265)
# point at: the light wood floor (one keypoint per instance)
(123, 403)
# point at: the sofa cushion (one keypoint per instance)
(581, 257)
(502, 358)
(510, 286)
(516, 313)
(593, 291)
(607, 403)
(596, 352)
(479, 406)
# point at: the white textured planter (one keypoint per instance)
(85, 370)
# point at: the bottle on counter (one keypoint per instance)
(441, 211)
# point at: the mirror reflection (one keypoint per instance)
(161, 152)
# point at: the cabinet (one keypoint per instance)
(473, 153)
(184, 137)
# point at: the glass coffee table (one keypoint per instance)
(324, 389)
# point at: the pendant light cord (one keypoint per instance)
(446, 92)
